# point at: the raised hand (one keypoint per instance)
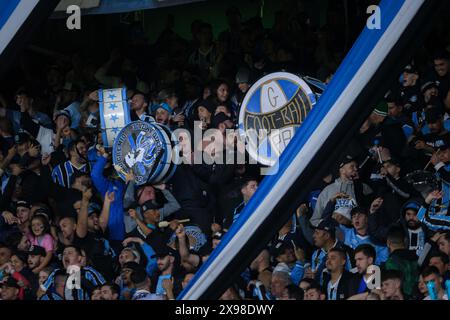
(167, 284)
(87, 194)
(433, 195)
(12, 151)
(180, 231)
(376, 204)
(161, 186)
(34, 151)
(10, 218)
(94, 95)
(299, 253)
(174, 224)
(133, 214)
(110, 196)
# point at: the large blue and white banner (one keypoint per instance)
(373, 63)
(18, 20)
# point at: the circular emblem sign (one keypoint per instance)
(272, 110)
(138, 148)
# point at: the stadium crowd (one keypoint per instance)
(64, 208)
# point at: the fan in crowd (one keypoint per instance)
(72, 229)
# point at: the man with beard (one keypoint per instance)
(168, 265)
(139, 106)
(365, 256)
(346, 183)
(77, 163)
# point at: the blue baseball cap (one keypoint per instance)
(164, 106)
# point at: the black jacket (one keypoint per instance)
(194, 196)
(347, 287)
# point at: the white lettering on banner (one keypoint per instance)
(74, 20)
(74, 279)
(374, 279)
(374, 21)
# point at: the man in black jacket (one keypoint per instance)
(194, 196)
(338, 283)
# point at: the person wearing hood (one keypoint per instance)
(204, 111)
(348, 183)
(417, 234)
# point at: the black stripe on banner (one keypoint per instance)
(40, 13)
(374, 90)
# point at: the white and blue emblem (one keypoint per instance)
(196, 237)
(114, 113)
(272, 110)
(146, 150)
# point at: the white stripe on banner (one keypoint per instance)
(335, 114)
(15, 21)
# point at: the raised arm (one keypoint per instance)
(183, 249)
(104, 215)
(82, 221)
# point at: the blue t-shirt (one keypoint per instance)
(353, 240)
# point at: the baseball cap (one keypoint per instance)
(410, 68)
(63, 113)
(37, 251)
(164, 251)
(444, 146)
(346, 159)
(150, 205)
(164, 106)
(411, 206)
(327, 226)
(23, 203)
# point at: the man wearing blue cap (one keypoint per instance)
(162, 112)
